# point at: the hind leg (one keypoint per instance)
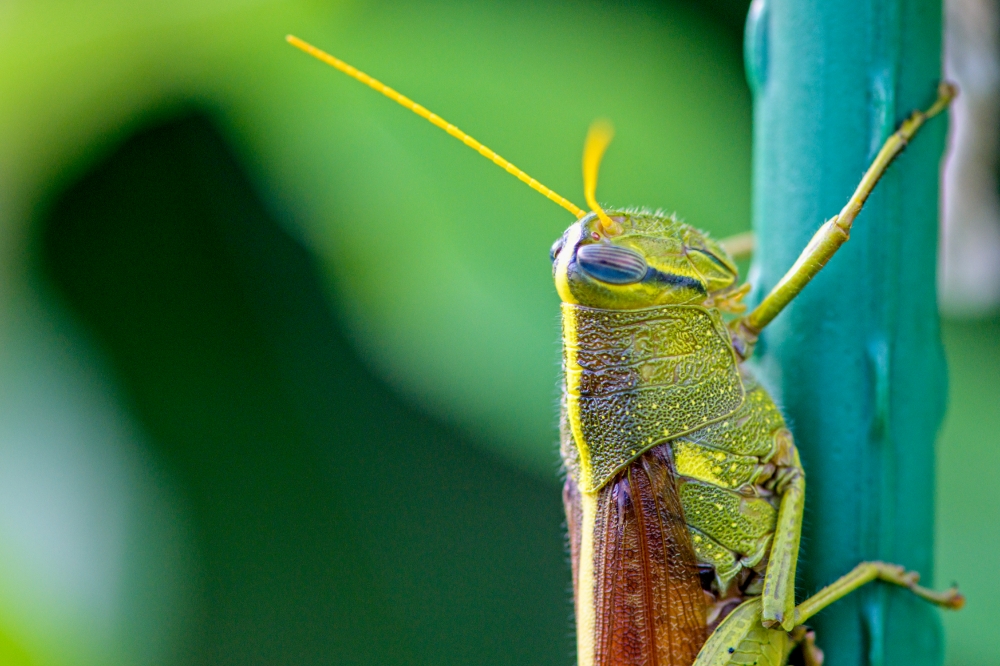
(779, 580)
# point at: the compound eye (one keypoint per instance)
(612, 264)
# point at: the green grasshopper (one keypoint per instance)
(684, 492)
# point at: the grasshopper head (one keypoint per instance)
(651, 259)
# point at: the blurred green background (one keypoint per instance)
(278, 360)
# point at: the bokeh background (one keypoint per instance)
(278, 361)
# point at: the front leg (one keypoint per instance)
(779, 581)
(833, 233)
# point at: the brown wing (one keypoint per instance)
(574, 520)
(649, 606)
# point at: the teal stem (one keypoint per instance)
(856, 360)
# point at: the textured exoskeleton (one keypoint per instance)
(666, 437)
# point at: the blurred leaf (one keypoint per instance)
(438, 258)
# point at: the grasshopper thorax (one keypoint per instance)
(650, 259)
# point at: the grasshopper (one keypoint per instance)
(684, 491)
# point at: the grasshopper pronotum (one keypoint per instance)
(684, 492)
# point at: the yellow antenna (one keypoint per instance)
(598, 139)
(435, 119)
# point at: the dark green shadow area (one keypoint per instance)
(333, 523)
(968, 466)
